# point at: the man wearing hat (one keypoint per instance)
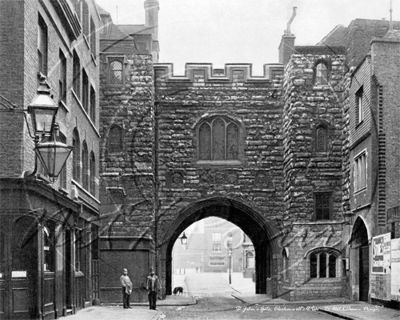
(153, 285)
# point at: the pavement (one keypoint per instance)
(243, 290)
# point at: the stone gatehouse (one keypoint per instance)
(264, 152)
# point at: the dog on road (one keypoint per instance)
(178, 291)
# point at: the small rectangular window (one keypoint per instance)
(216, 247)
(360, 172)
(85, 91)
(216, 236)
(77, 75)
(93, 105)
(93, 38)
(323, 206)
(63, 78)
(42, 46)
(359, 106)
(198, 75)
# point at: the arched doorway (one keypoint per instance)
(251, 222)
(360, 257)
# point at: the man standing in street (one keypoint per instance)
(126, 289)
(153, 285)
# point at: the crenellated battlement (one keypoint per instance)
(204, 72)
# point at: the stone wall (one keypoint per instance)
(308, 170)
(254, 103)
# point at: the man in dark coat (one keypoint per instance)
(153, 285)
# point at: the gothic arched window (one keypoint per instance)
(218, 140)
(115, 139)
(321, 138)
(115, 74)
(321, 74)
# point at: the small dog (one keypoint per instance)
(178, 291)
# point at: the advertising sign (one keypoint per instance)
(380, 277)
(395, 270)
(381, 254)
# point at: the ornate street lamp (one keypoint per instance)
(43, 110)
(52, 153)
(183, 239)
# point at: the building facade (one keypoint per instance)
(49, 229)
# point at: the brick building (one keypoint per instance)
(48, 235)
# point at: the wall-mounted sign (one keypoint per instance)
(18, 274)
(381, 254)
(395, 269)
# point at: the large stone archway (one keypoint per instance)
(260, 231)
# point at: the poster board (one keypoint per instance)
(395, 269)
(380, 275)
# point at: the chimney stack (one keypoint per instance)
(286, 48)
(151, 8)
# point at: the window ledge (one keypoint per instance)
(360, 191)
(85, 113)
(87, 193)
(219, 163)
(64, 106)
(359, 124)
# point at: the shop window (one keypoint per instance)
(218, 140)
(321, 74)
(321, 139)
(360, 171)
(115, 140)
(323, 205)
(76, 156)
(115, 68)
(92, 174)
(323, 264)
(42, 46)
(85, 166)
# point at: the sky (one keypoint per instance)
(242, 31)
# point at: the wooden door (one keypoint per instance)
(364, 273)
(22, 279)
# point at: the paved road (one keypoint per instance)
(215, 302)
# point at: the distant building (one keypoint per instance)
(213, 247)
